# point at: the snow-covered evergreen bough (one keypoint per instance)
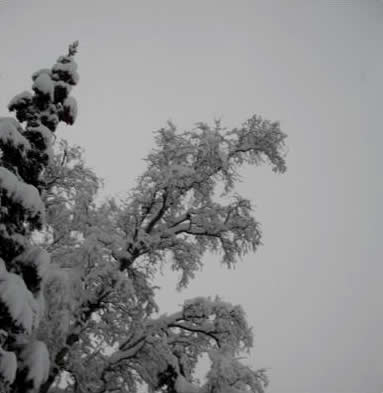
(25, 152)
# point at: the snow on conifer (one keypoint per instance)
(44, 85)
(33, 369)
(20, 312)
(26, 150)
(8, 367)
(21, 193)
(11, 132)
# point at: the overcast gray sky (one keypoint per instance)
(313, 292)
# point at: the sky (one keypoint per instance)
(313, 291)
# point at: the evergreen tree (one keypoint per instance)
(25, 153)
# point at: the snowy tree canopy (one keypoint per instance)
(93, 323)
(101, 294)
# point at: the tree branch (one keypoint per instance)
(160, 213)
(196, 330)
